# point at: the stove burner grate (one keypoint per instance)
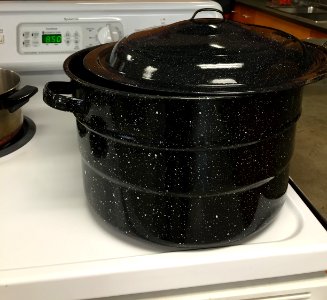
(24, 135)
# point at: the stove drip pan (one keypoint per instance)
(22, 138)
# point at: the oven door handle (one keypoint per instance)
(55, 94)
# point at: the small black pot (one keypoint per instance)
(183, 169)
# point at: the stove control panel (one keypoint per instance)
(40, 35)
(65, 38)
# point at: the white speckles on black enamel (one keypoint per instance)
(186, 221)
(183, 178)
(185, 171)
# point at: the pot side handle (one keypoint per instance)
(19, 98)
(54, 94)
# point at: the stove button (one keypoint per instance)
(35, 34)
(27, 43)
(26, 34)
(104, 35)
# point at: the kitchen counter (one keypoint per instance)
(309, 162)
(261, 5)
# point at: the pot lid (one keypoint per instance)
(209, 56)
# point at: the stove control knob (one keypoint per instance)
(104, 35)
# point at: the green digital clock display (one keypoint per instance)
(51, 38)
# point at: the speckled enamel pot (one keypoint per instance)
(188, 171)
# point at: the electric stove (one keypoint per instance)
(54, 247)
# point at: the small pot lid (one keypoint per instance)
(206, 56)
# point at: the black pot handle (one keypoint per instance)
(207, 9)
(19, 98)
(54, 94)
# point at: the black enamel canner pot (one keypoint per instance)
(186, 131)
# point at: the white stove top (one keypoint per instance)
(50, 238)
(52, 245)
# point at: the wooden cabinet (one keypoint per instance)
(246, 14)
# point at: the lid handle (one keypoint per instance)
(207, 9)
